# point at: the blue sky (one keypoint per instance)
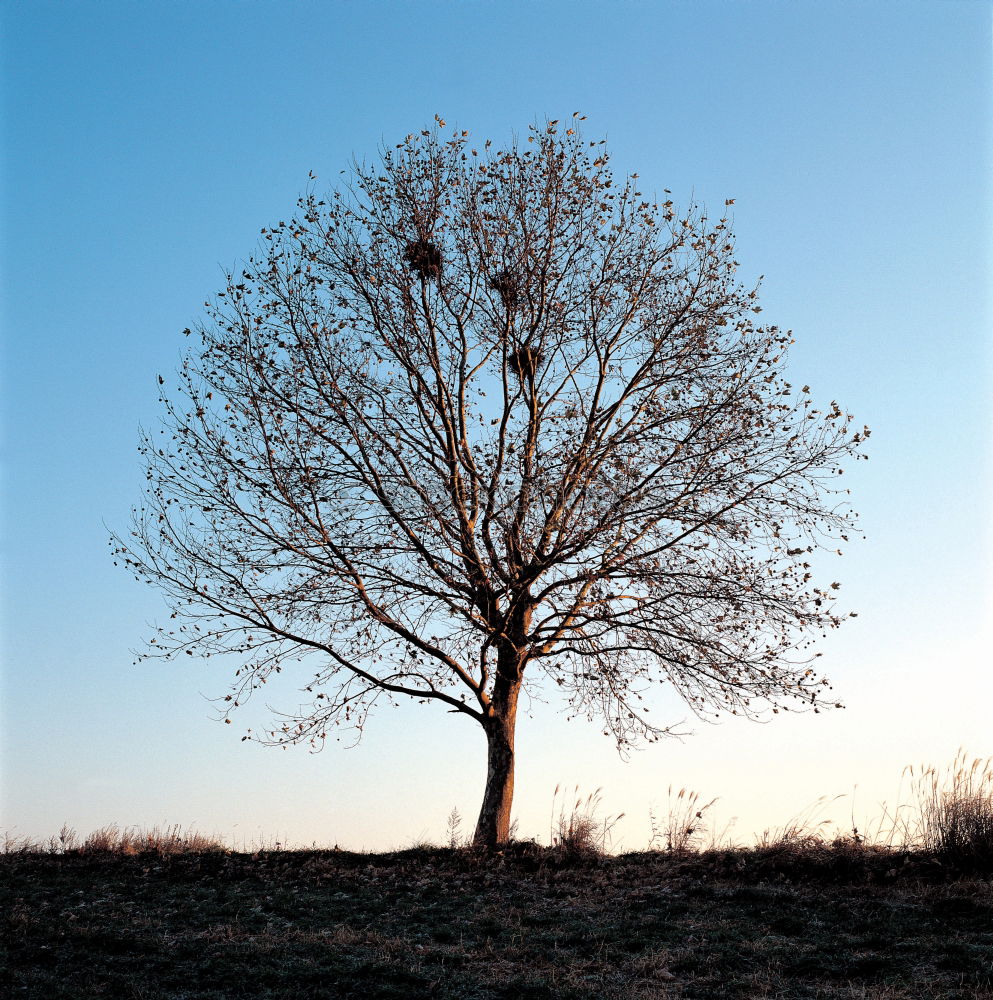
(146, 144)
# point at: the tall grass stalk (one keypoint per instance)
(580, 829)
(802, 829)
(112, 839)
(956, 810)
(684, 826)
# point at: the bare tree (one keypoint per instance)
(485, 416)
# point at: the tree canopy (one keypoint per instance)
(481, 419)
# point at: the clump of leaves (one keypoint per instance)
(424, 258)
(524, 362)
(505, 284)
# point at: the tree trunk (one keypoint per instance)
(493, 826)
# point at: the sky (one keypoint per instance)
(145, 145)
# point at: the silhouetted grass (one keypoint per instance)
(580, 830)
(685, 825)
(113, 839)
(956, 812)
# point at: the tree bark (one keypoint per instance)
(493, 826)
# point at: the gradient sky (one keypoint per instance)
(145, 145)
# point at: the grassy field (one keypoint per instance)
(903, 913)
(807, 919)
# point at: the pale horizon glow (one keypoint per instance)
(146, 145)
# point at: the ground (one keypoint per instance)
(529, 923)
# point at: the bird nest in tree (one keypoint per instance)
(424, 258)
(505, 285)
(524, 362)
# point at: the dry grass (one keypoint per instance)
(803, 829)
(949, 819)
(685, 825)
(905, 913)
(956, 811)
(112, 839)
(580, 830)
(65, 840)
(949, 814)
(527, 924)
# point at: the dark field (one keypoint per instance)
(833, 922)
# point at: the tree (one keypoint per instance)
(484, 418)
